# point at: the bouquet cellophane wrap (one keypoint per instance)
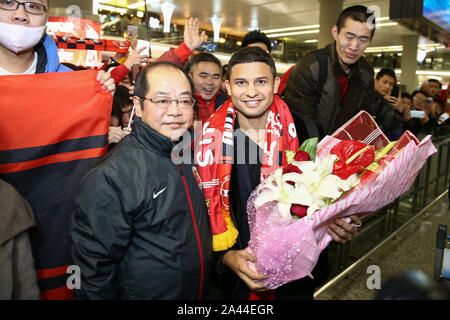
(288, 250)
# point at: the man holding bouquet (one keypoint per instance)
(242, 144)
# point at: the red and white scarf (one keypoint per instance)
(214, 158)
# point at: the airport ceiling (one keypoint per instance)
(239, 16)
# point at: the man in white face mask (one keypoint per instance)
(24, 46)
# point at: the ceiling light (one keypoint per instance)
(107, 8)
(277, 35)
(136, 5)
(387, 24)
(121, 10)
(312, 26)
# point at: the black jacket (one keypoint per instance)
(324, 107)
(140, 229)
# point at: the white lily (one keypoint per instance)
(316, 187)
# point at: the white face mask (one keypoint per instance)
(18, 38)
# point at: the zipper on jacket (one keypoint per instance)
(196, 231)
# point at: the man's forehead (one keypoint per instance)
(199, 67)
(357, 27)
(387, 78)
(161, 79)
(251, 70)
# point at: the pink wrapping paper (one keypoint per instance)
(287, 251)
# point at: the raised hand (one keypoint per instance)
(192, 35)
(135, 58)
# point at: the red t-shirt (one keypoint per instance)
(343, 85)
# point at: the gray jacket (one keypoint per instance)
(17, 273)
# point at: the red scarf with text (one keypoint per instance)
(214, 157)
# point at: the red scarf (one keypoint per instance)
(214, 157)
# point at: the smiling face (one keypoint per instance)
(207, 77)
(169, 83)
(251, 87)
(351, 41)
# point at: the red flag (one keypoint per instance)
(54, 127)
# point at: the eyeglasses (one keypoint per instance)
(165, 102)
(419, 99)
(30, 7)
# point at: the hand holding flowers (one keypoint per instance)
(296, 212)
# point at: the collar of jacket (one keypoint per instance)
(332, 53)
(48, 60)
(202, 102)
(152, 139)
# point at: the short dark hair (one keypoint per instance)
(388, 72)
(142, 87)
(256, 36)
(205, 57)
(121, 99)
(357, 13)
(406, 95)
(437, 81)
(249, 55)
(224, 69)
(416, 92)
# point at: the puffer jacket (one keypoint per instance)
(140, 228)
(48, 60)
(304, 100)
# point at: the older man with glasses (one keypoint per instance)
(140, 229)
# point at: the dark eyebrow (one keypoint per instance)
(348, 33)
(207, 74)
(167, 93)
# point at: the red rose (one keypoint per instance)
(291, 168)
(298, 210)
(302, 156)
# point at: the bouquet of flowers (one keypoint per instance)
(356, 170)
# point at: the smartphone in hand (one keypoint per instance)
(417, 114)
